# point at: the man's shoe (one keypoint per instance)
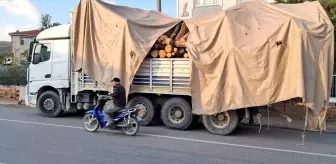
(110, 125)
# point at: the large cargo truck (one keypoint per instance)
(162, 86)
(291, 58)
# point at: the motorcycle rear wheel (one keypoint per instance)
(132, 128)
(91, 123)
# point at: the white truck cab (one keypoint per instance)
(48, 74)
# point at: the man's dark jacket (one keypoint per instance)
(119, 96)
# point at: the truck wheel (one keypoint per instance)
(49, 104)
(148, 111)
(221, 124)
(176, 114)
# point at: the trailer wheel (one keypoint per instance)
(221, 124)
(148, 111)
(49, 104)
(176, 114)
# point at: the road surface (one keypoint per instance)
(28, 138)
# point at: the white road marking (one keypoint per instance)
(187, 139)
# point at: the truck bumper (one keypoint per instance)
(31, 101)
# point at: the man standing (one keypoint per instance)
(118, 101)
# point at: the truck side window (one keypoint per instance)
(41, 53)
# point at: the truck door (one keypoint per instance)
(39, 71)
(40, 67)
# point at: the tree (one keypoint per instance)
(4, 56)
(46, 22)
(14, 72)
(24, 57)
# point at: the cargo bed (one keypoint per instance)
(155, 75)
(163, 76)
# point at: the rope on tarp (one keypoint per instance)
(320, 120)
(320, 124)
(304, 128)
(259, 121)
(268, 115)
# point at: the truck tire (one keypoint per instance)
(147, 115)
(176, 114)
(221, 124)
(49, 104)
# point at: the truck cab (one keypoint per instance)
(49, 68)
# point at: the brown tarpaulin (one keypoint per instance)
(256, 54)
(252, 54)
(112, 41)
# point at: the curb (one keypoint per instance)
(289, 128)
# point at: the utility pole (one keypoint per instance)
(158, 5)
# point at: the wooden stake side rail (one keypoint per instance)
(163, 76)
(155, 75)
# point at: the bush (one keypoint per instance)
(13, 75)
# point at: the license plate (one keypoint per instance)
(139, 118)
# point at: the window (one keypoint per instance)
(207, 2)
(215, 2)
(41, 53)
(25, 41)
(198, 2)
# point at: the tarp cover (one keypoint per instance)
(252, 54)
(112, 41)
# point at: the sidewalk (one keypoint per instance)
(277, 122)
(298, 120)
(10, 102)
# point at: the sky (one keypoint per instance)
(25, 14)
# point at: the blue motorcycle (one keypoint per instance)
(125, 119)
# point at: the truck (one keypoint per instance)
(161, 86)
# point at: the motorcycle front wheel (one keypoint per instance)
(133, 127)
(91, 123)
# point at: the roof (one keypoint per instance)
(25, 33)
(60, 31)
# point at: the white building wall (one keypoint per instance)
(187, 8)
(18, 48)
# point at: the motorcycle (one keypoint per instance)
(126, 119)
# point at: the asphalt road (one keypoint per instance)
(28, 138)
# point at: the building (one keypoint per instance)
(196, 8)
(20, 41)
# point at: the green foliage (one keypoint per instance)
(330, 7)
(4, 56)
(24, 57)
(46, 22)
(15, 73)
